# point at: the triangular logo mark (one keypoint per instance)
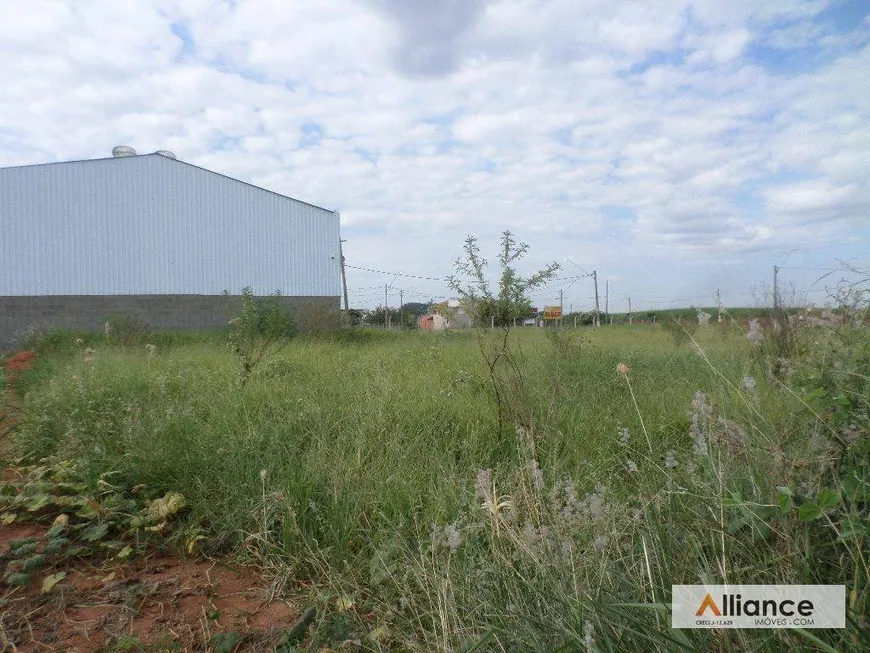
(708, 602)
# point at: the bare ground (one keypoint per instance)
(158, 602)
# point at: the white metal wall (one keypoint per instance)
(152, 225)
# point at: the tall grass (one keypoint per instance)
(379, 467)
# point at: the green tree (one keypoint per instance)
(262, 327)
(509, 300)
(500, 306)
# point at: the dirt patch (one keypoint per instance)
(159, 600)
(154, 603)
(20, 362)
(12, 369)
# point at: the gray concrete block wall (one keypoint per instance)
(19, 315)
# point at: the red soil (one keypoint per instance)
(157, 599)
(20, 362)
(163, 600)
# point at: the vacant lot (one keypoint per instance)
(424, 499)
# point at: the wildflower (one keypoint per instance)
(264, 474)
(107, 328)
(749, 384)
(483, 483)
(702, 417)
(632, 466)
(623, 369)
(150, 350)
(79, 342)
(565, 503)
(530, 535)
(755, 334)
(89, 355)
(624, 436)
(595, 503)
(537, 474)
(670, 460)
(730, 432)
(452, 537)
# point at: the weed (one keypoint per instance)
(261, 329)
(391, 486)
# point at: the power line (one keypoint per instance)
(396, 274)
(815, 269)
(417, 276)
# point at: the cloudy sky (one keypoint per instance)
(675, 146)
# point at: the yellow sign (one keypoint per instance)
(552, 312)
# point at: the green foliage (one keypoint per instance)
(500, 307)
(261, 329)
(225, 642)
(127, 330)
(566, 343)
(508, 301)
(397, 318)
(580, 318)
(84, 515)
(680, 327)
(350, 461)
(296, 634)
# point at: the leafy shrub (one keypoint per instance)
(262, 328)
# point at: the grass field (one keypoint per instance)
(433, 505)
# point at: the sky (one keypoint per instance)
(676, 147)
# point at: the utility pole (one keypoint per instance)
(775, 294)
(561, 308)
(607, 300)
(386, 310)
(718, 306)
(629, 309)
(401, 309)
(597, 322)
(344, 282)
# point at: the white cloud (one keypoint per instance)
(437, 120)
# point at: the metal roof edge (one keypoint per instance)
(166, 158)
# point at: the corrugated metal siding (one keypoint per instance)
(151, 225)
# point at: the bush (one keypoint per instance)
(262, 328)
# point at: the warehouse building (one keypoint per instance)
(156, 238)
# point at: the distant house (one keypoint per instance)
(158, 238)
(453, 315)
(432, 322)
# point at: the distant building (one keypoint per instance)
(454, 314)
(432, 322)
(156, 237)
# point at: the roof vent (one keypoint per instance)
(166, 153)
(121, 151)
